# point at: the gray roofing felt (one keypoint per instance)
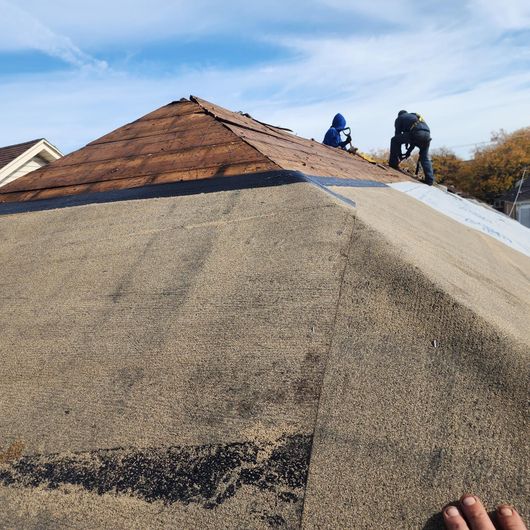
(266, 357)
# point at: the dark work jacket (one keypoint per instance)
(405, 122)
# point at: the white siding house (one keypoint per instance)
(20, 159)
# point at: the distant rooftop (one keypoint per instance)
(11, 152)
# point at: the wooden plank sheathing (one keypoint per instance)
(320, 162)
(250, 166)
(292, 152)
(267, 145)
(161, 143)
(217, 156)
(188, 140)
(143, 128)
(176, 109)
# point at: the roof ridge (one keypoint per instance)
(36, 140)
(224, 121)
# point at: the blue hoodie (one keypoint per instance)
(332, 137)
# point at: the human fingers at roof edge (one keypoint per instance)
(509, 519)
(507, 516)
(475, 513)
(477, 518)
(453, 519)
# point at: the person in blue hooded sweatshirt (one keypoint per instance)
(332, 137)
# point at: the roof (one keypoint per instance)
(275, 355)
(12, 152)
(471, 213)
(267, 357)
(188, 140)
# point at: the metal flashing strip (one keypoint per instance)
(349, 183)
(173, 189)
(317, 182)
(249, 180)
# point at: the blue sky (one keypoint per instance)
(71, 71)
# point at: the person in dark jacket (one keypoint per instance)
(332, 137)
(412, 130)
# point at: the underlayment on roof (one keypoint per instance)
(472, 214)
(480, 272)
(258, 358)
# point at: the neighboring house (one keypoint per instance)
(20, 159)
(516, 202)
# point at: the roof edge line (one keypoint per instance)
(149, 191)
(222, 120)
(141, 175)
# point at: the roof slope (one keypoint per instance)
(292, 152)
(187, 140)
(258, 358)
(11, 152)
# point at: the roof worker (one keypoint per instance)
(411, 130)
(333, 137)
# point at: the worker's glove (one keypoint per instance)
(348, 139)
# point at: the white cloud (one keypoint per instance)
(397, 13)
(508, 15)
(22, 31)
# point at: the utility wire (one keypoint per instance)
(518, 191)
(467, 145)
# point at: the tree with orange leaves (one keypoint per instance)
(495, 169)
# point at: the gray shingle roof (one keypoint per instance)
(10, 152)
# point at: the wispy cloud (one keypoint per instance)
(508, 15)
(22, 31)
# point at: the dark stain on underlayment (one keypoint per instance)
(206, 474)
